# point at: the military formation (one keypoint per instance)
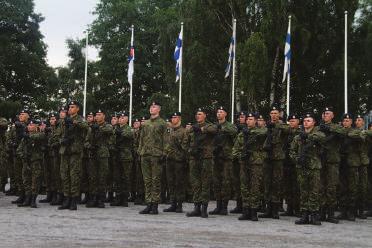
(294, 166)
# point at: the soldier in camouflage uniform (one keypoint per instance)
(222, 166)
(290, 184)
(10, 161)
(175, 151)
(71, 150)
(112, 160)
(32, 157)
(123, 164)
(3, 153)
(15, 140)
(277, 136)
(305, 152)
(151, 149)
(369, 199)
(201, 163)
(248, 148)
(261, 123)
(138, 177)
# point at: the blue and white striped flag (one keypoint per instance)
(231, 57)
(287, 54)
(178, 55)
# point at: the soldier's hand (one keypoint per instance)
(68, 121)
(303, 136)
(271, 125)
(18, 124)
(118, 132)
(95, 126)
(324, 128)
(26, 136)
(219, 126)
(245, 131)
(196, 129)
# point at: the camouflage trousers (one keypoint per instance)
(251, 179)
(47, 175)
(222, 178)
(3, 171)
(329, 176)
(273, 178)
(18, 182)
(291, 191)
(309, 181)
(140, 187)
(236, 179)
(31, 174)
(176, 171)
(56, 174)
(98, 175)
(152, 170)
(85, 169)
(369, 194)
(70, 174)
(122, 176)
(201, 179)
(110, 172)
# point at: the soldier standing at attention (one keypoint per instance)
(176, 150)
(72, 144)
(138, 177)
(112, 160)
(3, 154)
(201, 163)
(261, 121)
(222, 166)
(305, 151)
(151, 150)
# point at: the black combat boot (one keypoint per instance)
(172, 207)
(342, 215)
(196, 212)
(85, 199)
(26, 202)
(223, 210)
(268, 212)
(246, 214)
(315, 219)
(147, 209)
(33, 201)
(254, 214)
(154, 209)
(20, 199)
(74, 201)
(275, 210)
(304, 219)
(100, 200)
(179, 207)
(110, 197)
(361, 214)
(217, 209)
(124, 200)
(92, 201)
(204, 213)
(331, 216)
(65, 203)
(60, 199)
(54, 199)
(238, 208)
(323, 213)
(351, 214)
(48, 197)
(117, 201)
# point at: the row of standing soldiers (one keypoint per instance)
(315, 170)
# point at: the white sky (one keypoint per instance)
(64, 19)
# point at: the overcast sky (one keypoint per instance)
(64, 19)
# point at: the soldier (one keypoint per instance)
(369, 200)
(277, 136)
(151, 149)
(176, 150)
(305, 151)
(290, 184)
(123, 164)
(248, 148)
(3, 153)
(138, 177)
(261, 123)
(222, 166)
(112, 160)
(72, 143)
(201, 162)
(32, 156)
(236, 168)
(15, 140)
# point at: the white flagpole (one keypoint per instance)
(86, 75)
(289, 72)
(131, 84)
(233, 74)
(180, 72)
(346, 83)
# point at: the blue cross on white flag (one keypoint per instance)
(287, 54)
(178, 55)
(231, 57)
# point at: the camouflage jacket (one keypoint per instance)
(201, 143)
(32, 147)
(332, 144)
(152, 137)
(177, 141)
(76, 134)
(124, 142)
(224, 140)
(101, 140)
(276, 141)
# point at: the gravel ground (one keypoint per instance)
(124, 227)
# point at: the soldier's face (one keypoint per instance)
(309, 123)
(359, 123)
(52, 121)
(327, 116)
(188, 126)
(175, 120)
(31, 127)
(123, 120)
(23, 117)
(90, 118)
(261, 123)
(221, 115)
(114, 120)
(136, 124)
(347, 122)
(251, 122)
(200, 117)
(274, 115)
(154, 110)
(73, 109)
(370, 127)
(294, 123)
(100, 117)
(62, 114)
(242, 119)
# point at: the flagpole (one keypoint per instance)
(86, 75)
(346, 83)
(131, 84)
(180, 72)
(289, 71)
(233, 74)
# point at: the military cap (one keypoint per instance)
(24, 111)
(53, 115)
(176, 114)
(143, 118)
(100, 111)
(292, 117)
(155, 103)
(242, 113)
(189, 123)
(63, 108)
(91, 113)
(347, 116)
(260, 117)
(200, 110)
(328, 109)
(123, 113)
(251, 115)
(74, 102)
(275, 106)
(222, 108)
(309, 115)
(34, 121)
(136, 120)
(359, 116)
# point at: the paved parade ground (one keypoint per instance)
(124, 227)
